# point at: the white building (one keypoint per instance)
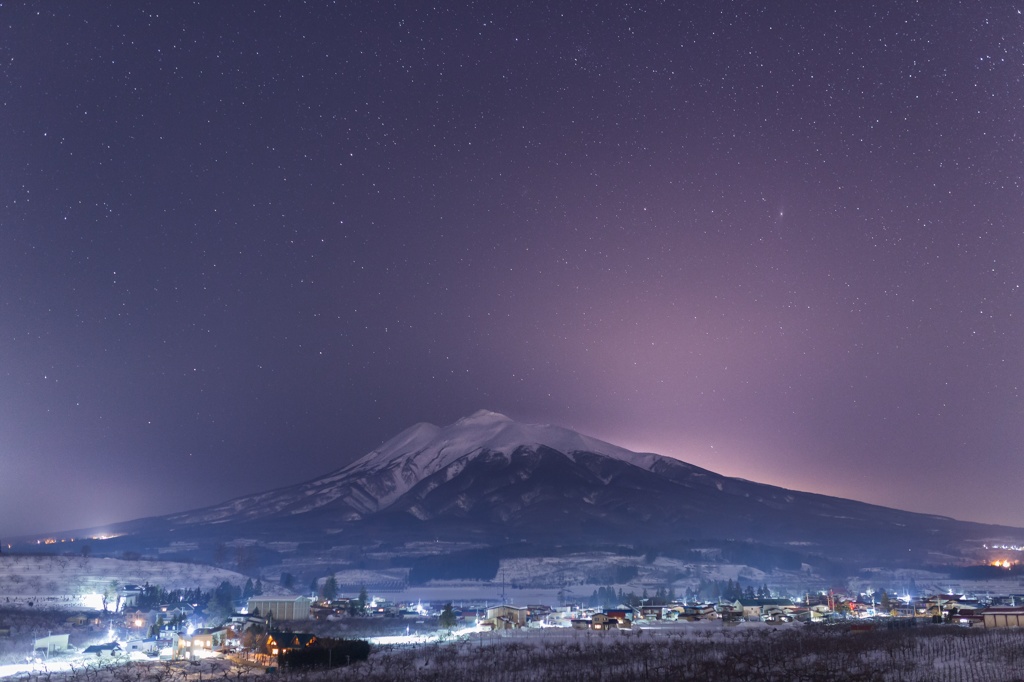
(281, 608)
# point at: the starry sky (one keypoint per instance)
(244, 243)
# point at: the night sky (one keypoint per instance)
(242, 244)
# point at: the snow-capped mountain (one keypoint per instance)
(491, 481)
(377, 480)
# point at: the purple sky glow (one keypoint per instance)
(243, 243)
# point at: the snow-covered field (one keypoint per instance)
(573, 578)
(76, 581)
(545, 580)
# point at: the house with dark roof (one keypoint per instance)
(605, 621)
(653, 611)
(108, 650)
(282, 642)
(623, 616)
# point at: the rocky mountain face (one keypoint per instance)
(490, 481)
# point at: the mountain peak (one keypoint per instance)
(425, 448)
(483, 417)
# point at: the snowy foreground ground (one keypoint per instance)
(707, 652)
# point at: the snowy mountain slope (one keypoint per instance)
(377, 480)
